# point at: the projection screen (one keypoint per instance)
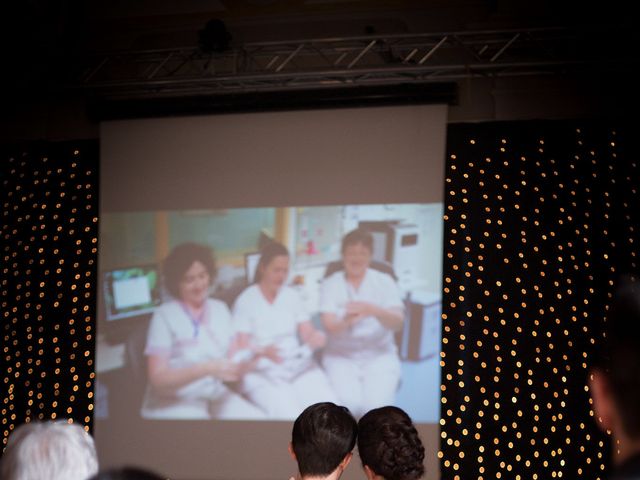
(236, 184)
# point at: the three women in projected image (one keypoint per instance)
(268, 359)
(361, 307)
(189, 345)
(272, 323)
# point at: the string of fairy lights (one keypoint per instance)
(539, 218)
(47, 282)
(538, 221)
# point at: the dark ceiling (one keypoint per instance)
(125, 25)
(40, 33)
(44, 40)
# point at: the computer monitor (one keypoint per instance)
(131, 291)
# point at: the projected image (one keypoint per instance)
(251, 314)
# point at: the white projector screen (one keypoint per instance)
(303, 179)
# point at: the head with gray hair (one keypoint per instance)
(49, 450)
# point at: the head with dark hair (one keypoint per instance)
(322, 439)
(182, 259)
(268, 254)
(615, 381)
(127, 473)
(389, 445)
(357, 249)
(359, 236)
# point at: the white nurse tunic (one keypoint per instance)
(174, 334)
(284, 389)
(362, 361)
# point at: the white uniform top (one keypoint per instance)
(368, 335)
(271, 323)
(185, 341)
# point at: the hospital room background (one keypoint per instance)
(408, 237)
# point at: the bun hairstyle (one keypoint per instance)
(389, 444)
(268, 252)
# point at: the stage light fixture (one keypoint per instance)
(214, 37)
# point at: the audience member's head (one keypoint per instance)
(127, 473)
(49, 451)
(322, 439)
(389, 445)
(615, 384)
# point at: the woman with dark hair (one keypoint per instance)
(189, 344)
(273, 324)
(389, 445)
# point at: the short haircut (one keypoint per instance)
(619, 355)
(357, 236)
(323, 435)
(49, 451)
(127, 473)
(268, 252)
(180, 260)
(389, 444)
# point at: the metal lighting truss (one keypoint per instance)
(335, 62)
